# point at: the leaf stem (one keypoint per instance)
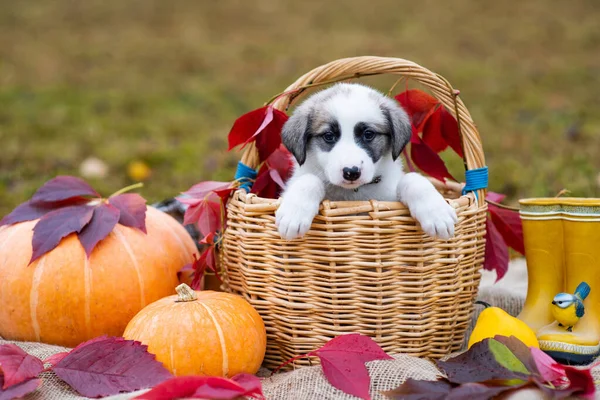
(127, 189)
(391, 91)
(291, 360)
(562, 193)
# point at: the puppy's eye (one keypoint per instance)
(368, 135)
(560, 302)
(329, 137)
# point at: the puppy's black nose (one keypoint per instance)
(351, 174)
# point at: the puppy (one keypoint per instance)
(346, 141)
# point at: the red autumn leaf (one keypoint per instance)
(209, 217)
(509, 225)
(496, 251)
(581, 382)
(208, 239)
(264, 185)
(343, 359)
(495, 197)
(418, 105)
(206, 387)
(55, 359)
(28, 211)
(440, 130)
(192, 213)
(17, 366)
(57, 224)
(277, 178)
(450, 131)
(103, 221)
(197, 198)
(202, 189)
(63, 188)
(25, 212)
(20, 390)
(199, 267)
(251, 384)
(262, 125)
(109, 365)
(132, 208)
(224, 194)
(432, 131)
(273, 174)
(548, 369)
(428, 160)
(207, 261)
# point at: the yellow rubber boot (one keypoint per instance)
(580, 343)
(544, 251)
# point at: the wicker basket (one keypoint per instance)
(364, 266)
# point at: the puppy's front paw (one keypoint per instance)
(437, 218)
(293, 219)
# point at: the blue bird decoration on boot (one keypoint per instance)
(568, 308)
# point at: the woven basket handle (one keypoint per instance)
(369, 65)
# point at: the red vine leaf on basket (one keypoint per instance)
(263, 126)
(273, 174)
(494, 366)
(19, 390)
(503, 230)
(206, 387)
(206, 201)
(428, 116)
(427, 160)
(106, 366)
(17, 366)
(343, 361)
(206, 261)
(67, 205)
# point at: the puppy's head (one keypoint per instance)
(345, 131)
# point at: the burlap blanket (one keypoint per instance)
(310, 383)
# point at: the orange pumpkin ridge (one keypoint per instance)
(65, 298)
(201, 333)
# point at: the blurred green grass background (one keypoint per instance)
(162, 82)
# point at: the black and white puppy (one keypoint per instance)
(347, 141)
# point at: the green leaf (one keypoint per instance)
(506, 358)
(479, 364)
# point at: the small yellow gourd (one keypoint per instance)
(495, 321)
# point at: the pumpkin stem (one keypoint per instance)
(127, 189)
(185, 293)
(483, 303)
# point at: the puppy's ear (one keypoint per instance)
(399, 123)
(295, 133)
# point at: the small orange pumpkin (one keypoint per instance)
(65, 298)
(202, 333)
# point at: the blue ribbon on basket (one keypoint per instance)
(245, 175)
(476, 179)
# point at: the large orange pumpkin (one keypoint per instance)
(202, 333)
(65, 298)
